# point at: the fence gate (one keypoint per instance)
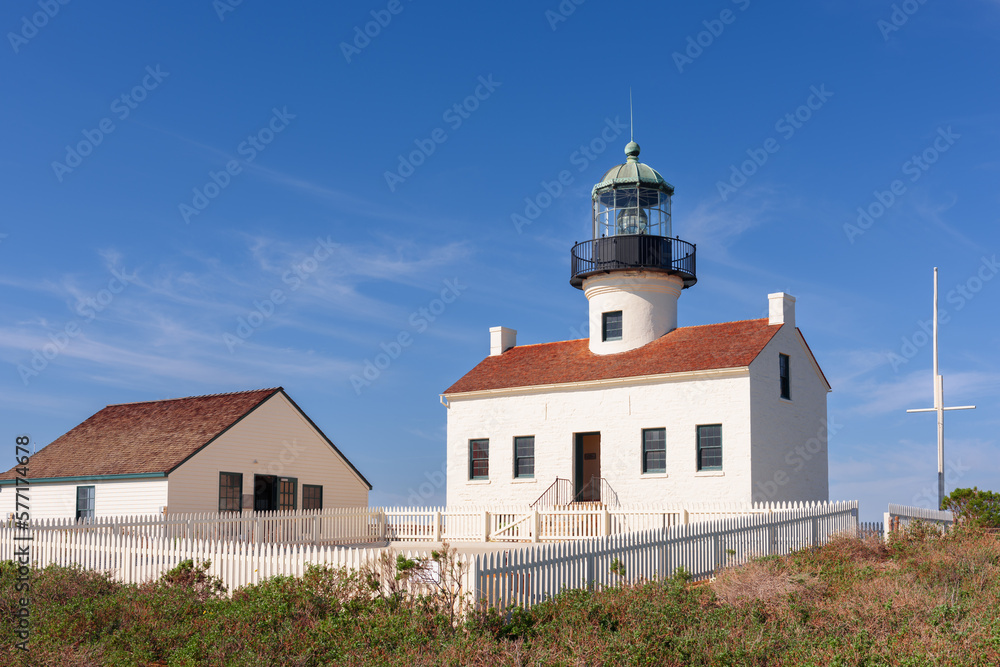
(512, 527)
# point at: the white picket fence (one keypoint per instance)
(351, 525)
(529, 576)
(521, 577)
(899, 517)
(374, 525)
(135, 559)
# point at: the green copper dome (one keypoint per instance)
(632, 173)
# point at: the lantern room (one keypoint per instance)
(632, 228)
(632, 198)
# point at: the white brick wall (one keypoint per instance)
(773, 449)
(619, 412)
(790, 436)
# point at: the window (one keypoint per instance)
(286, 493)
(479, 459)
(524, 457)
(611, 326)
(710, 447)
(654, 450)
(84, 502)
(312, 497)
(230, 491)
(783, 371)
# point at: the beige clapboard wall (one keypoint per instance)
(275, 439)
(57, 500)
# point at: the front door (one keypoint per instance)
(588, 467)
(265, 493)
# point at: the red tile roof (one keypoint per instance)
(135, 438)
(706, 347)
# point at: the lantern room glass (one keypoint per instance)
(629, 211)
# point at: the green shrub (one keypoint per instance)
(195, 577)
(974, 508)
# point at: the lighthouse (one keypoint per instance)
(633, 269)
(641, 411)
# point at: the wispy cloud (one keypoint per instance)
(876, 396)
(923, 208)
(170, 320)
(341, 200)
(715, 225)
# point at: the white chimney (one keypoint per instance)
(782, 309)
(501, 340)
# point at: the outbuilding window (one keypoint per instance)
(654, 450)
(84, 502)
(611, 326)
(286, 493)
(479, 459)
(710, 447)
(312, 497)
(785, 374)
(230, 491)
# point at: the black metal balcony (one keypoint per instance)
(635, 252)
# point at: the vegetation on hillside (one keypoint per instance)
(974, 508)
(922, 599)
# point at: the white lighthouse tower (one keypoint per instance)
(632, 271)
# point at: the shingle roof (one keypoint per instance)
(706, 347)
(135, 438)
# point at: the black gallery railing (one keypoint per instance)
(634, 251)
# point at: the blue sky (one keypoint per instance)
(169, 171)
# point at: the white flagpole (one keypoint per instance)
(939, 399)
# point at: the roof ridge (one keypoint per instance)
(551, 342)
(187, 398)
(720, 345)
(690, 326)
(715, 324)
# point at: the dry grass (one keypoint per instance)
(768, 582)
